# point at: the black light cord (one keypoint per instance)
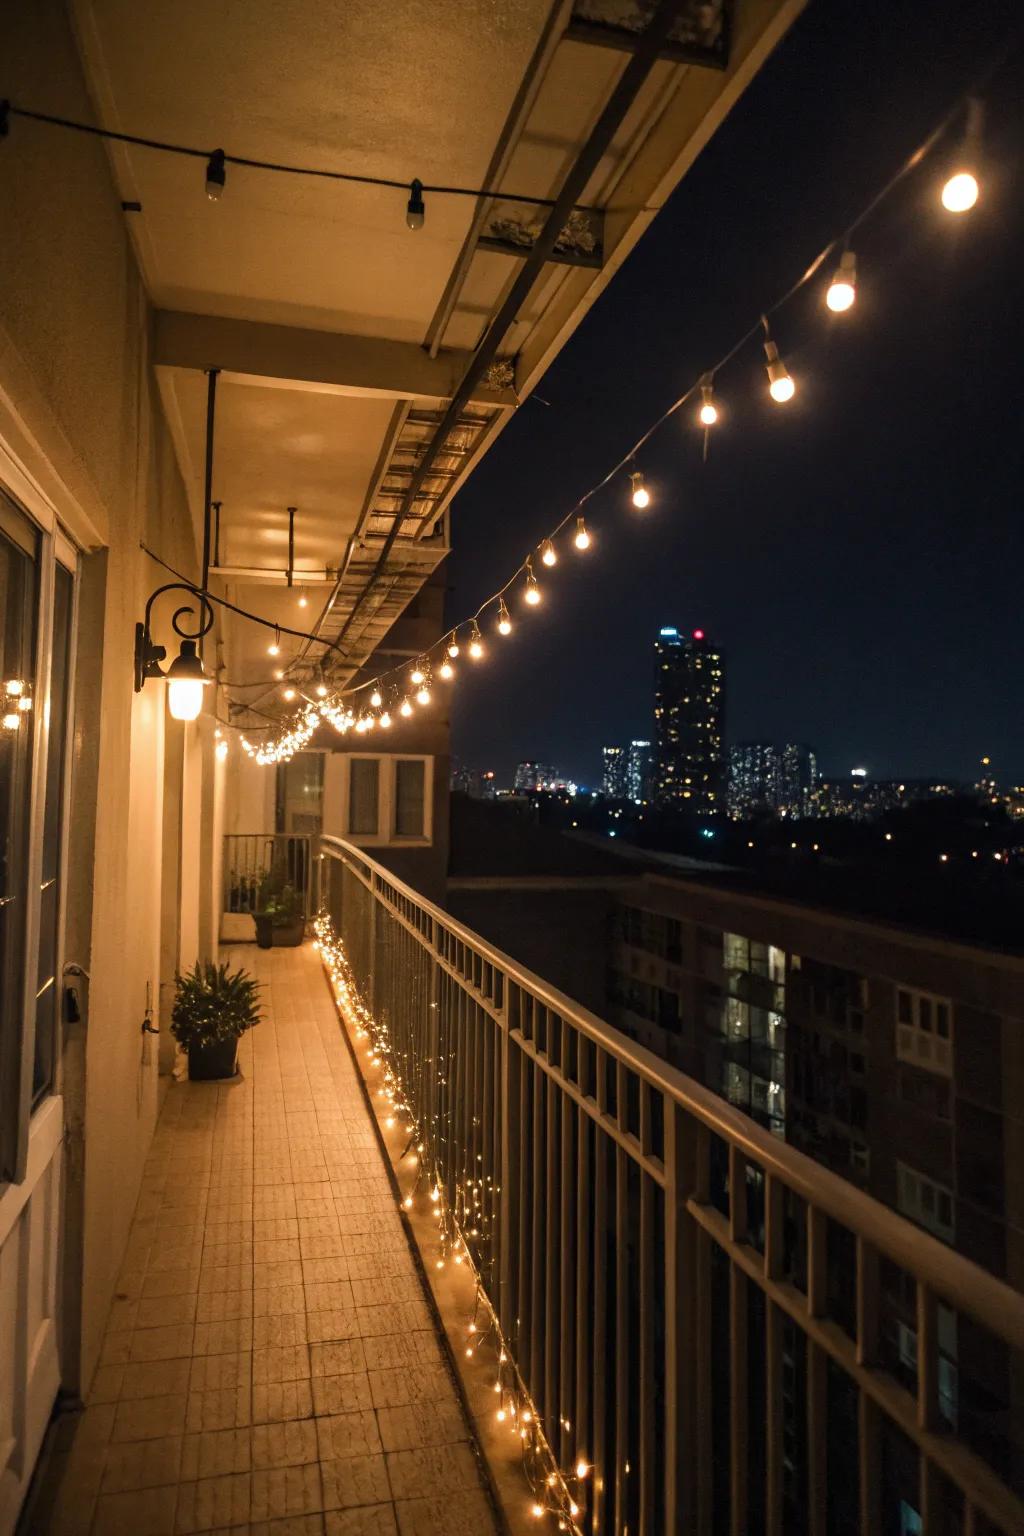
(164, 146)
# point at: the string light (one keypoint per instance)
(405, 708)
(385, 721)
(416, 676)
(548, 554)
(504, 619)
(582, 539)
(289, 694)
(708, 414)
(321, 690)
(274, 648)
(303, 600)
(639, 495)
(216, 176)
(423, 696)
(532, 589)
(780, 385)
(415, 210)
(842, 290)
(11, 720)
(375, 699)
(14, 687)
(453, 645)
(476, 646)
(960, 190)
(447, 671)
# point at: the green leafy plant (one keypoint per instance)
(212, 1004)
(278, 898)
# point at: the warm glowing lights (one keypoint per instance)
(14, 687)
(843, 288)
(708, 413)
(582, 539)
(303, 600)
(289, 694)
(416, 676)
(532, 589)
(221, 750)
(639, 494)
(582, 1469)
(186, 680)
(453, 645)
(780, 385)
(504, 619)
(447, 671)
(385, 721)
(375, 699)
(405, 708)
(960, 192)
(321, 690)
(423, 696)
(547, 553)
(476, 648)
(24, 703)
(11, 721)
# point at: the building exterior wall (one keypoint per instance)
(79, 414)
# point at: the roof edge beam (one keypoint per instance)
(326, 361)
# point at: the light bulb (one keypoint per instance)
(221, 750)
(708, 409)
(385, 721)
(14, 686)
(547, 554)
(641, 496)
(415, 210)
(780, 385)
(416, 676)
(504, 620)
(447, 670)
(843, 288)
(289, 694)
(582, 539)
(216, 175)
(960, 192)
(321, 690)
(476, 649)
(582, 1469)
(24, 703)
(184, 697)
(453, 646)
(406, 708)
(303, 601)
(423, 697)
(532, 589)
(375, 699)
(11, 721)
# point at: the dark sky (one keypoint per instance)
(858, 553)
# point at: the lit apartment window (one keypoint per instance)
(924, 1030)
(924, 1201)
(387, 800)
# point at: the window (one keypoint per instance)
(924, 1201)
(387, 800)
(924, 1030)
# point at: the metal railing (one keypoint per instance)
(698, 1310)
(250, 857)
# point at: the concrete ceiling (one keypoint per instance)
(341, 334)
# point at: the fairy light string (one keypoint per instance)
(350, 707)
(556, 1493)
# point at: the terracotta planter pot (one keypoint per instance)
(289, 935)
(208, 1063)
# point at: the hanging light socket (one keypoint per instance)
(415, 209)
(780, 385)
(216, 175)
(842, 290)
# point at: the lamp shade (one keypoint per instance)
(186, 680)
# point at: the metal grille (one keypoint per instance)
(249, 857)
(696, 1308)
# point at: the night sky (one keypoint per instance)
(857, 553)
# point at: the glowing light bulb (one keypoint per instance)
(504, 619)
(447, 670)
(416, 676)
(423, 696)
(582, 1469)
(453, 646)
(321, 690)
(476, 649)
(385, 721)
(11, 721)
(532, 589)
(582, 539)
(184, 698)
(709, 410)
(640, 495)
(24, 704)
(14, 687)
(548, 554)
(273, 649)
(405, 708)
(780, 385)
(843, 288)
(221, 750)
(289, 694)
(303, 601)
(407, 1202)
(960, 192)
(537, 1511)
(278, 673)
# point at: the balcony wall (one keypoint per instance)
(81, 423)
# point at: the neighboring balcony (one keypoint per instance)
(702, 1329)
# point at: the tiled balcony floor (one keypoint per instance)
(270, 1363)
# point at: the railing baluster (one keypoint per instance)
(603, 1485)
(817, 1379)
(622, 1329)
(552, 1209)
(869, 1466)
(582, 1427)
(774, 1197)
(650, 1494)
(568, 1259)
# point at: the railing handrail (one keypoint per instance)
(955, 1278)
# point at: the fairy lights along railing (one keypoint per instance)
(691, 1324)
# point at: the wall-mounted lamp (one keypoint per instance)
(186, 677)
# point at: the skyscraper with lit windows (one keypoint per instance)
(689, 716)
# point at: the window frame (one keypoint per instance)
(387, 772)
(923, 1045)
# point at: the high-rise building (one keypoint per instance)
(533, 776)
(798, 779)
(614, 771)
(755, 774)
(640, 772)
(689, 712)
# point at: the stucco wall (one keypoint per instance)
(78, 407)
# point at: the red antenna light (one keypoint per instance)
(698, 634)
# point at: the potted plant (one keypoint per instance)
(279, 917)
(212, 1007)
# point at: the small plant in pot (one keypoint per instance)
(212, 1007)
(279, 917)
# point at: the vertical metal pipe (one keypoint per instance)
(211, 411)
(216, 532)
(291, 544)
